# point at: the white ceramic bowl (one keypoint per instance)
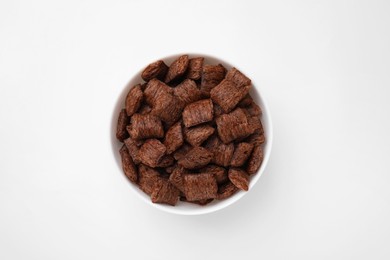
(185, 208)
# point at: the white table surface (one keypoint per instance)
(324, 67)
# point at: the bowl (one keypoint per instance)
(185, 208)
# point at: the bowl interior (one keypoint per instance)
(185, 208)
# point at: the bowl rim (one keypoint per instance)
(209, 208)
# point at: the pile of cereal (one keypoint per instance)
(191, 132)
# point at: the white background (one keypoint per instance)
(324, 70)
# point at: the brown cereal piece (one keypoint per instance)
(254, 109)
(123, 121)
(211, 77)
(238, 78)
(255, 123)
(182, 151)
(223, 154)
(233, 126)
(176, 177)
(200, 186)
(227, 94)
(194, 70)
(133, 100)
(256, 139)
(177, 68)
(157, 69)
(166, 161)
(144, 109)
(241, 154)
(226, 190)
(198, 134)
(187, 92)
(133, 148)
(220, 173)
(255, 160)
(237, 116)
(199, 202)
(147, 178)
(239, 178)
(246, 101)
(145, 126)
(196, 158)
(164, 192)
(151, 152)
(239, 133)
(198, 112)
(174, 138)
(128, 165)
(167, 107)
(154, 89)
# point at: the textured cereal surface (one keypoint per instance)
(198, 112)
(191, 132)
(128, 165)
(157, 69)
(200, 186)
